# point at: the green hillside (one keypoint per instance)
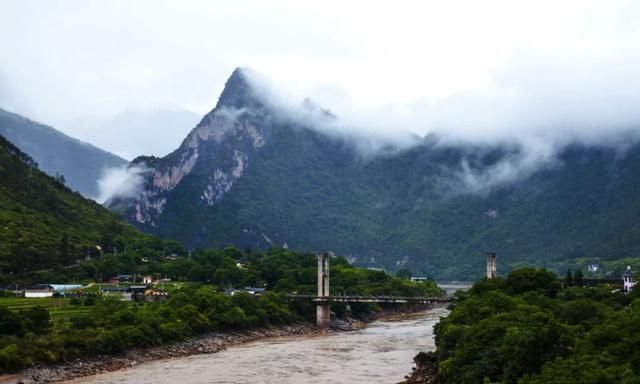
(45, 225)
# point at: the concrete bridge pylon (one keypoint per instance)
(323, 309)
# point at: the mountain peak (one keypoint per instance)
(238, 91)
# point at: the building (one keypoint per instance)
(255, 291)
(153, 295)
(63, 289)
(250, 290)
(147, 279)
(48, 290)
(39, 290)
(628, 282)
(137, 292)
(419, 278)
(121, 292)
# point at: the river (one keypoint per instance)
(380, 353)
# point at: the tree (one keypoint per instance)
(529, 279)
(404, 273)
(10, 323)
(37, 320)
(60, 178)
(568, 280)
(578, 278)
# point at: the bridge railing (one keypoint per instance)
(371, 298)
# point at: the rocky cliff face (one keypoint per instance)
(216, 154)
(252, 176)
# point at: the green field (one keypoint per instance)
(60, 308)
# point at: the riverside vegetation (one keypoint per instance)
(28, 336)
(526, 329)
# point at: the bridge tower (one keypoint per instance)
(491, 265)
(323, 310)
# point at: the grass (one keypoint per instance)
(60, 309)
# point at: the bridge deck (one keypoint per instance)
(372, 299)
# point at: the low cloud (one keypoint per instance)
(516, 162)
(123, 182)
(539, 104)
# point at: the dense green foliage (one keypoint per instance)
(526, 329)
(113, 326)
(80, 164)
(103, 326)
(414, 208)
(44, 225)
(276, 269)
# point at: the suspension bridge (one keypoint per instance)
(324, 298)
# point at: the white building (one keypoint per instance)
(47, 290)
(628, 280)
(39, 291)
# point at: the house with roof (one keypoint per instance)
(39, 291)
(154, 295)
(254, 291)
(64, 289)
(120, 292)
(628, 280)
(48, 290)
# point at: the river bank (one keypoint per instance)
(425, 371)
(204, 344)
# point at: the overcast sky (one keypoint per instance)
(479, 69)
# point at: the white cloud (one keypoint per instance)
(124, 182)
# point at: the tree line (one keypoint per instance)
(112, 326)
(527, 329)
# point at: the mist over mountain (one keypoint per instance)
(257, 172)
(80, 163)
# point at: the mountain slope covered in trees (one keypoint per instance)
(43, 224)
(253, 176)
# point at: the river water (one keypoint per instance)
(380, 353)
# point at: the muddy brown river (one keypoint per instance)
(380, 353)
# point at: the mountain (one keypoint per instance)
(44, 224)
(80, 163)
(250, 175)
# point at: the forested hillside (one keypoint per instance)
(45, 225)
(527, 329)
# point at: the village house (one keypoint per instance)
(48, 290)
(39, 290)
(121, 292)
(153, 295)
(250, 290)
(628, 281)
